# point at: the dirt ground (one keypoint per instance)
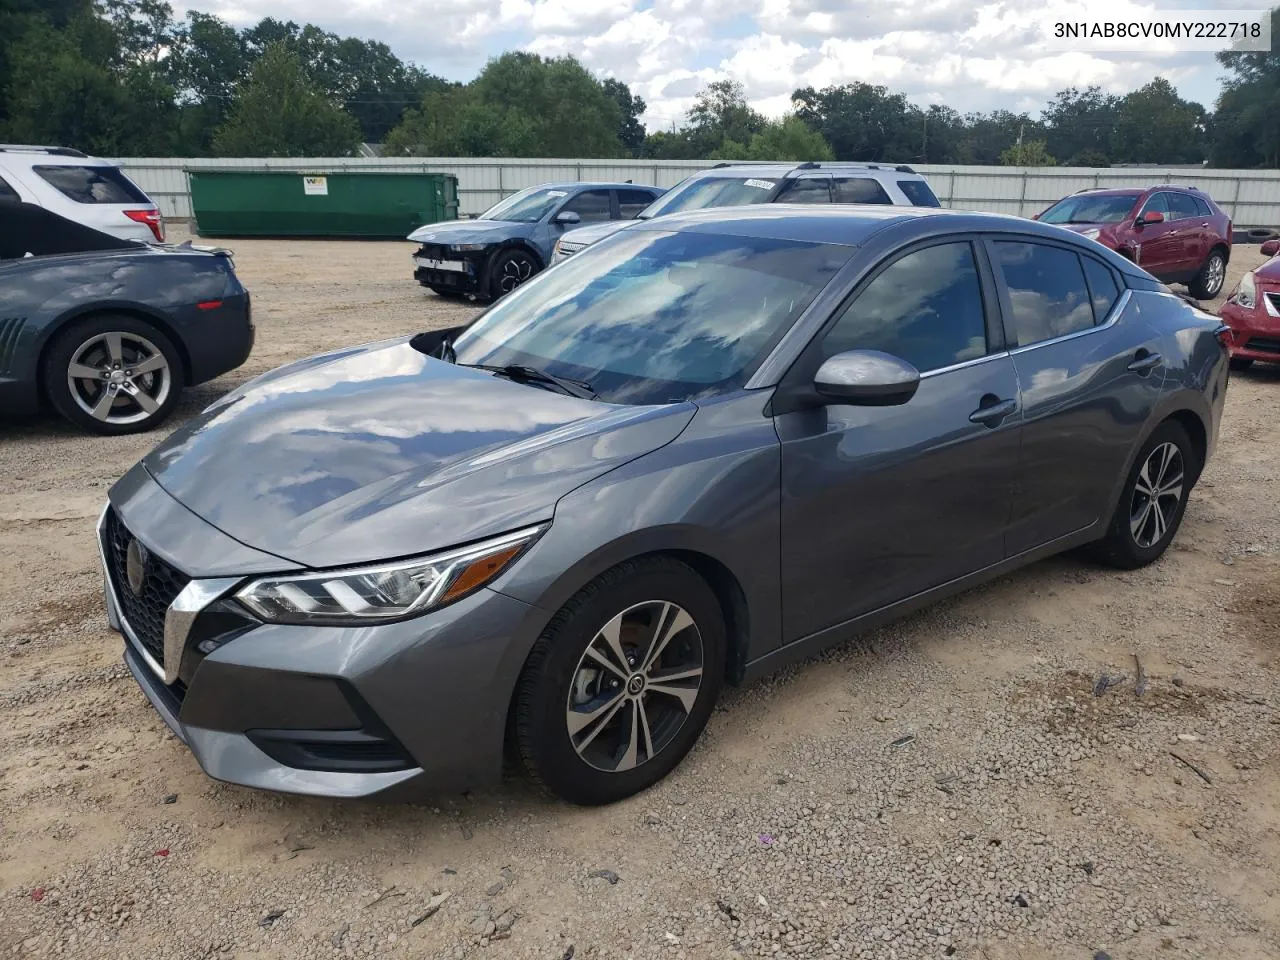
(949, 786)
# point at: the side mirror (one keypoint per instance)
(1151, 216)
(567, 216)
(866, 378)
(1270, 248)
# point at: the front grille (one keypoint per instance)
(434, 251)
(143, 611)
(1263, 344)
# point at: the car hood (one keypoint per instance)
(470, 231)
(1269, 271)
(595, 232)
(380, 452)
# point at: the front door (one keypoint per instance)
(880, 503)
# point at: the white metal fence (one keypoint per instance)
(1250, 197)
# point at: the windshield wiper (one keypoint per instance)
(525, 374)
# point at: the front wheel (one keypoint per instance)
(1208, 282)
(510, 268)
(621, 683)
(1153, 500)
(113, 374)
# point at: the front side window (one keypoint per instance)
(806, 190)
(92, 184)
(1047, 290)
(860, 190)
(656, 317)
(1091, 208)
(591, 205)
(699, 193)
(1158, 203)
(925, 308)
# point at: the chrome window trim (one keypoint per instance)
(963, 364)
(1111, 320)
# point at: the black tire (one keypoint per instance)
(1241, 363)
(559, 661)
(1121, 547)
(1208, 282)
(509, 269)
(139, 342)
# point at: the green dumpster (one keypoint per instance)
(243, 202)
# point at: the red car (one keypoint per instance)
(1176, 234)
(1253, 312)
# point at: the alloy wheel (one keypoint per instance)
(1157, 492)
(1215, 273)
(119, 378)
(515, 271)
(634, 686)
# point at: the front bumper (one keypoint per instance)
(467, 280)
(1255, 332)
(416, 706)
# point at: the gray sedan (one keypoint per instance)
(697, 451)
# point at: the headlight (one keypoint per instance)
(1090, 234)
(467, 247)
(1247, 292)
(387, 591)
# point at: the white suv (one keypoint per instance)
(89, 191)
(739, 184)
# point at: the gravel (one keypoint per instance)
(949, 786)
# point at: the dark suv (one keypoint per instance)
(1177, 234)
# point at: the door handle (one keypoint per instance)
(1144, 362)
(991, 410)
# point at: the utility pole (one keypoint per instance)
(924, 140)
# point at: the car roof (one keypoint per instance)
(33, 156)
(853, 224)
(768, 169)
(592, 184)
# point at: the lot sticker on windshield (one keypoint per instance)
(762, 184)
(557, 193)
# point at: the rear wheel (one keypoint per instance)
(621, 683)
(1208, 283)
(510, 268)
(1241, 363)
(1153, 500)
(113, 374)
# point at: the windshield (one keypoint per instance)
(527, 206)
(703, 192)
(1108, 208)
(649, 317)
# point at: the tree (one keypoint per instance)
(861, 121)
(1246, 123)
(987, 135)
(1078, 120)
(1154, 125)
(1089, 158)
(788, 139)
(278, 112)
(720, 113)
(630, 129)
(1032, 153)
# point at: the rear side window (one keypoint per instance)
(1183, 206)
(1103, 290)
(859, 190)
(1202, 208)
(7, 193)
(1047, 291)
(925, 308)
(808, 190)
(919, 193)
(631, 202)
(92, 184)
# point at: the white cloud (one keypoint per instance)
(968, 54)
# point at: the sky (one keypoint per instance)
(966, 54)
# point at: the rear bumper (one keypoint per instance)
(219, 339)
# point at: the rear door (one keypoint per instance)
(631, 202)
(1193, 230)
(1090, 374)
(1159, 247)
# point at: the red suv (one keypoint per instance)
(1177, 234)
